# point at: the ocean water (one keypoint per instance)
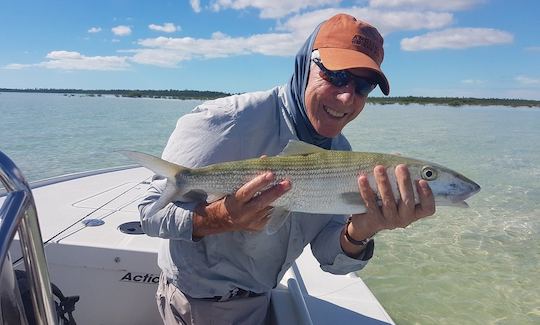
(462, 266)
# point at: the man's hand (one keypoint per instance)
(246, 209)
(389, 215)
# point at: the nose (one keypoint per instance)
(346, 93)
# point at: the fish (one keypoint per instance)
(323, 181)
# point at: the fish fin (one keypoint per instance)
(173, 189)
(300, 148)
(194, 196)
(277, 219)
(214, 197)
(167, 196)
(354, 200)
(459, 204)
(155, 164)
(201, 196)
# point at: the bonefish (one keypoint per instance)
(323, 181)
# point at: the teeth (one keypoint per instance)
(333, 112)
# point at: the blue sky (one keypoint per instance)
(471, 48)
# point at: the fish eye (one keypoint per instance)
(429, 173)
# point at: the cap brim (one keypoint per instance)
(340, 59)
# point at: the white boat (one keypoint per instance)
(95, 249)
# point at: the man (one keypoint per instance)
(217, 265)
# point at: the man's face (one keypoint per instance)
(330, 108)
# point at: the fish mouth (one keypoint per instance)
(474, 188)
(468, 189)
(458, 200)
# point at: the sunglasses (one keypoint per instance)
(341, 78)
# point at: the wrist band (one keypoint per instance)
(354, 241)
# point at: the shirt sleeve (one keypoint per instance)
(175, 221)
(202, 137)
(326, 247)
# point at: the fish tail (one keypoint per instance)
(173, 189)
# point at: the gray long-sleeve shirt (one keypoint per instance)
(235, 128)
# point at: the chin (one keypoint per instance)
(328, 133)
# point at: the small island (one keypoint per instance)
(206, 95)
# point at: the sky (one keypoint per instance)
(440, 48)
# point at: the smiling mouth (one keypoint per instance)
(333, 112)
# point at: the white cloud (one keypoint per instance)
(121, 30)
(457, 38)
(285, 39)
(472, 82)
(282, 8)
(17, 66)
(196, 5)
(166, 28)
(167, 51)
(524, 80)
(68, 60)
(63, 55)
(94, 30)
(385, 21)
(272, 8)
(290, 35)
(302, 25)
(159, 57)
(439, 5)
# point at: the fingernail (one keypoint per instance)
(286, 185)
(424, 185)
(401, 167)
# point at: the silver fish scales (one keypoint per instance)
(323, 181)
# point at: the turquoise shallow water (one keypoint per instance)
(462, 266)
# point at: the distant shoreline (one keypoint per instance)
(206, 95)
(132, 93)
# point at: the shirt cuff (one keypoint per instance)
(183, 218)
(344, 264)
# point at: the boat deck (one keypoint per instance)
(115, 273)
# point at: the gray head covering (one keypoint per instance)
(295, 91)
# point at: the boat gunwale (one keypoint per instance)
(72, 176)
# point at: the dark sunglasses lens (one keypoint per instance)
(340, 78)
(364, 87)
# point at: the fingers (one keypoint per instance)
(251, 188)
(427, 201)
(367, 194)
(260, 219)
(389, 208)
(388, 214)
(249, 207)
(407, 204)
(270, 195)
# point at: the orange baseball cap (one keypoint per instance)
(346, 43)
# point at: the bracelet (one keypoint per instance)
(354, 241)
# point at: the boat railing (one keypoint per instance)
(18, 214)
(297, 290)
